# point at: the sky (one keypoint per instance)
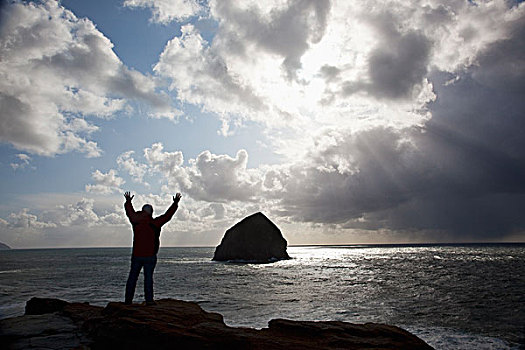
(344, 122)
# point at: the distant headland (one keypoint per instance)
(4, 246)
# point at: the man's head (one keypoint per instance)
(148, 209)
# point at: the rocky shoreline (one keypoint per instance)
(57, 324)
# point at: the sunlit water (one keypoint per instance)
(453, 297)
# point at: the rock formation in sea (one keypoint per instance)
(56, 324)
(4, 246)
(253, 239)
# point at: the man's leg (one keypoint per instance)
(136, 266)
(149, 266)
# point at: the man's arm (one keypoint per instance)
(164, 218)
(128, 206)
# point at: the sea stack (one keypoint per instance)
(253, 239)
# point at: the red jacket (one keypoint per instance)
(146, 229)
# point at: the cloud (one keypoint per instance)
(209, 177)
(318, 54)
(459, 174)
(137, 171)
(80, 223)
(105, 183)
(414, 180)
(244, 72)
(79, 214)
(201, 76)
(57, 68)
(396, 67)
(347, 175)
(408, 40)
(220, 178)
(365, 60)
(165, 11)
(25, 220)
(22, 161)
(157, 161)
(338, 64)
(164, 162)
(83, 213)
(287, 31)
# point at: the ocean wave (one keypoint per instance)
(451, 339)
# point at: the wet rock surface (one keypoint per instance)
(254, 239)
(184, 325)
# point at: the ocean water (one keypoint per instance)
(452, 296)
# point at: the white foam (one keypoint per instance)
(447, 338)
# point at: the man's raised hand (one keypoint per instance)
(177, 198)
(128, 196)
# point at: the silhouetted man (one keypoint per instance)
(146, 242)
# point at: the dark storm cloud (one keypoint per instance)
(395, 70)
(397, 65)
(462, 173)
(502, 66)
(329, 73)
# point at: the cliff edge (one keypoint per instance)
(56, 324)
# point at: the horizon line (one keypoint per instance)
(294, 245)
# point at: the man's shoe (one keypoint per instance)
(149, 303)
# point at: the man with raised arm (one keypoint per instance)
(146, 242)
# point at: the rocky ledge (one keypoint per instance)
(56, 324)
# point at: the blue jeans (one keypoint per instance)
(137, 262)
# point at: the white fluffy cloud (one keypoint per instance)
(83, 213)
(25, 220)
(221, 178)
(165, 11)
(55, 69)
(80, 213)
(167, 163)
(201, 76)
(105, 183)
(78, 223)
(137, 171)
(208, 177)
